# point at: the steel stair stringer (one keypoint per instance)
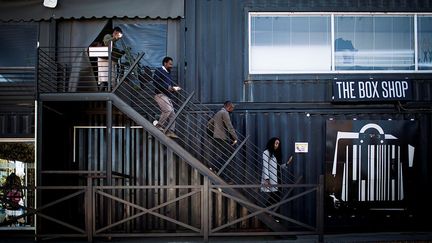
(190, 159)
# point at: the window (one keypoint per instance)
(19, 42)
(18, 52)
(425, 42)
(17, 172)
(339, 43)
(284, 43)
(145, 37)
(156, 38)
(374, 43)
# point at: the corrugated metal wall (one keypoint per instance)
(17, 79)
(217, 59)
(278, 105)
(294, 126)
(315, 91)
(17, 125)
(139, 159)
(214, 46)
(298, 126)
(293, 107)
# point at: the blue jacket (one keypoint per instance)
(162, 81)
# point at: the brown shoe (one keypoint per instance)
(171, 134)
(159, 127)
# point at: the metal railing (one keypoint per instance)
(74, 70)
(239, 164)
(71, 70)
(89, 204)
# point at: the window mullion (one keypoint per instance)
(415, 43)
(332, 43)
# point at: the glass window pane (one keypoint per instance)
(425, 42)
(374, 43)
(148, 38)
(282, 44)
(17, 177)
(19, 42)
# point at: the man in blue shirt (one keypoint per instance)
(165, 87)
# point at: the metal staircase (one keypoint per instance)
(133, 94)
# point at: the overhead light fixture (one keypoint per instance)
(50, 3)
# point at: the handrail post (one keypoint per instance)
(233, 155)
(89, 209)
(179, 111)
(36, 73)
(110, 47)
(109, 139)
(320, 209)
(205, 209)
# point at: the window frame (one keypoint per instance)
(332, 16)
(27, 44)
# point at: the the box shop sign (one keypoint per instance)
(372, 90)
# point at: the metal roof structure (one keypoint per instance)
(34, 10)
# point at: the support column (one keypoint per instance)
(320, 209)
(109, 156)
(205, 222)
(38, 166)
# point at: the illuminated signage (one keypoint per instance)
(372, 90)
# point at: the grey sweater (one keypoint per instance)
(222, 126)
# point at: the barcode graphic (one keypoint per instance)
(374, 171)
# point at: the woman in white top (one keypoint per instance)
(271, 158)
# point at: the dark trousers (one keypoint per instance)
(272, 198)
(223, 151)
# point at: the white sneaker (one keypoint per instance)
(157, 125)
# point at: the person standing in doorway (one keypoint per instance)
(165, 88)
(103, 65)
